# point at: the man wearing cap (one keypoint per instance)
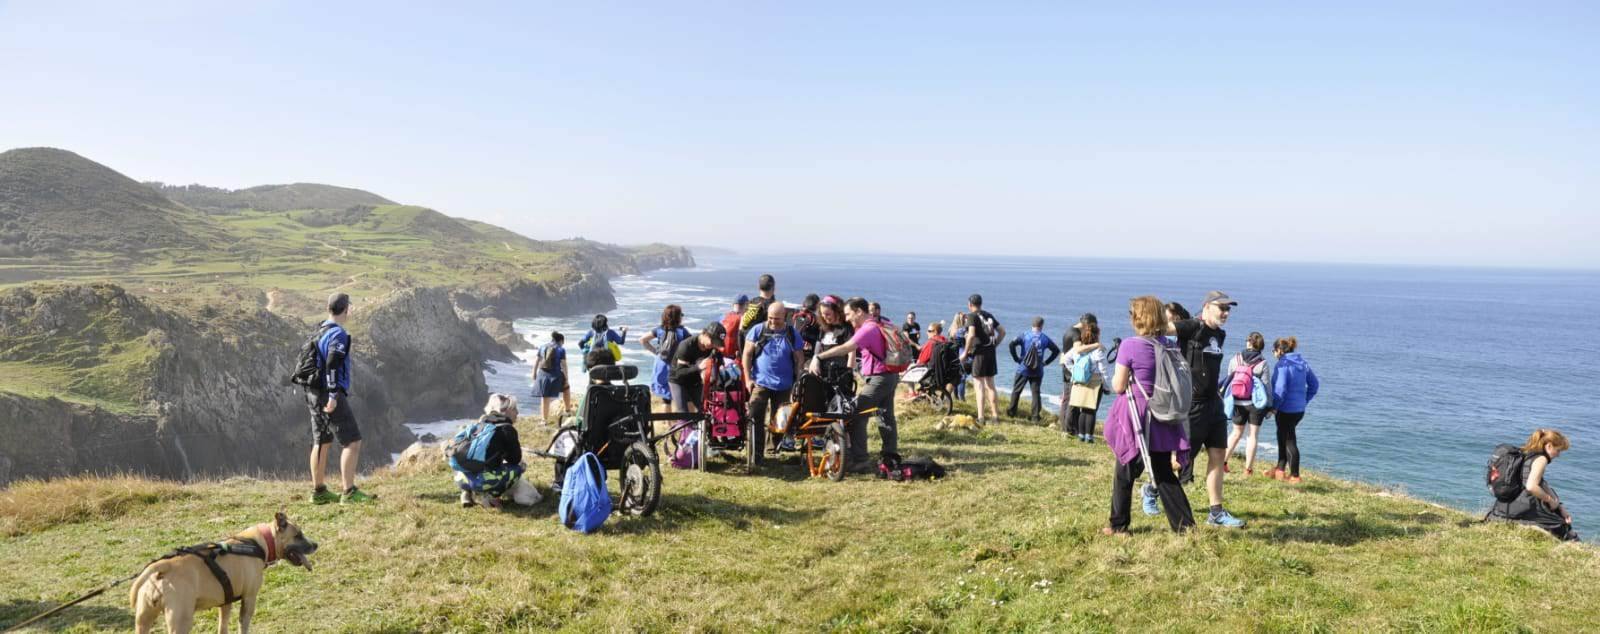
(684, 377)
(1201, 340)
(730, 323)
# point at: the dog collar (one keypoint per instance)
(264, 531)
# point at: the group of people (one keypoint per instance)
(770, 345)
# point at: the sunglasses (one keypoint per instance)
(1224, 308)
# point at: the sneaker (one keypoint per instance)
(1224, 519)
(787, 445)
(1112, 532)
(1149, 495)
(490, 502)
(323, 496)
(1226, 468)
(466, 499)
(1249, 472)
(1270, 473)
(1278, 474)
(356, 496)
(1293, 480)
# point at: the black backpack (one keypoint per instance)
(1033, 359)
(892, 467)
(767, 336)
(1505, 472)
(307, 365)
(669, 341)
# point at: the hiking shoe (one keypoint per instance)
(787, 445)
(1149, 495)
(324, 496)
(466, 499)
(356, 496)
(1224, 519)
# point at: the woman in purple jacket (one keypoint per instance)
(1136, 363)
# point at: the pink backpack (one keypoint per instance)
(1241, 384)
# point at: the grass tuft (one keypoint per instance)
(32, 506)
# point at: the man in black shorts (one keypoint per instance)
(984, 333)
(1201, 340)
(331, 416)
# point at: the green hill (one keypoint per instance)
(56, 203)
(216, 200)
(1009, 542)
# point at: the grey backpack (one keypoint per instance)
(1173, 391)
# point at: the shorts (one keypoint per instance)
(1207, 425)
(340, 424)
(1246, 414)
(983, 363)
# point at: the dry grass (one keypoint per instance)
(32, 506)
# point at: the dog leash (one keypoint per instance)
(52, 612)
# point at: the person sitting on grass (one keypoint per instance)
(502, 463)
(1538, 505)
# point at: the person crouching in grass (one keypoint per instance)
(502, 462)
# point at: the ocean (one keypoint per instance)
(1424, 370)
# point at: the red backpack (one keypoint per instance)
(898, 353)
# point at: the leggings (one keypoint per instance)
(1174, 503)
(1084, 420)
(1288, 444)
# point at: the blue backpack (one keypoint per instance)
(1083, 370)
(469, 449)
(585, 503)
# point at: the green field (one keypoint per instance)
(1008, 542)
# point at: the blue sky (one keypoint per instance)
(1448, 133)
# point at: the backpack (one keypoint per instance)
(1173, 391)
(688, 454)
(767, 336)
(1504, 476)
(1033, 359)
(1241, 385)
(1083, 369)
(669, 341)
(898, 353)
(547, 357)
(469, 449)
(754, 314)
(585, 503)
(891, 467)
(308, 364)
(987, 329)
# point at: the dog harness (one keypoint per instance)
(209, 551)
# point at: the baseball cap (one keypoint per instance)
(716, 332)
(1219, 297)
(742, 299)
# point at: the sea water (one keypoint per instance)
(1423, 369)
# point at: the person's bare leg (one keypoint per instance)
(1216, 457)
(319, 465)
(1250, 447)
(1233, 439)
(348, 459)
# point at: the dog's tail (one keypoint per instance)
(150, 573)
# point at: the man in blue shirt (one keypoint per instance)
(773, 354)
(1033, 351)
(331, 416)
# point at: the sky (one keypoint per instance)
(1455, 133)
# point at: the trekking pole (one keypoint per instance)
(53, 611)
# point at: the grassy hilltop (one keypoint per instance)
(1008, 542)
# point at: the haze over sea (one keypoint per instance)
(1423, 369)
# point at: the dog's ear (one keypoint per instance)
(283, 520)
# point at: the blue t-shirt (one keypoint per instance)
(775, 359)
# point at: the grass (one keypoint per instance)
(1008, 542)
(33, 506)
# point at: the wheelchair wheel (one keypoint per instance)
(837, 444)
(703, 448)
(755, 444)
(641, 479)
(943, 402)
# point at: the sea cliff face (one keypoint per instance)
(204, 394)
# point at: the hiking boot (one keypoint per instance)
(1149, 495)
(323, 496)
(1224, 519)
(356, 496)
(862, 466)
(466, 500)
(787, 445)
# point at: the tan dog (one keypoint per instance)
(184, 584)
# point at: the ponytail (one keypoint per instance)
(1544, 439)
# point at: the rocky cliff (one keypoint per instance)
(179, 393)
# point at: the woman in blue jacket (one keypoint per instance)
(1293, 387)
